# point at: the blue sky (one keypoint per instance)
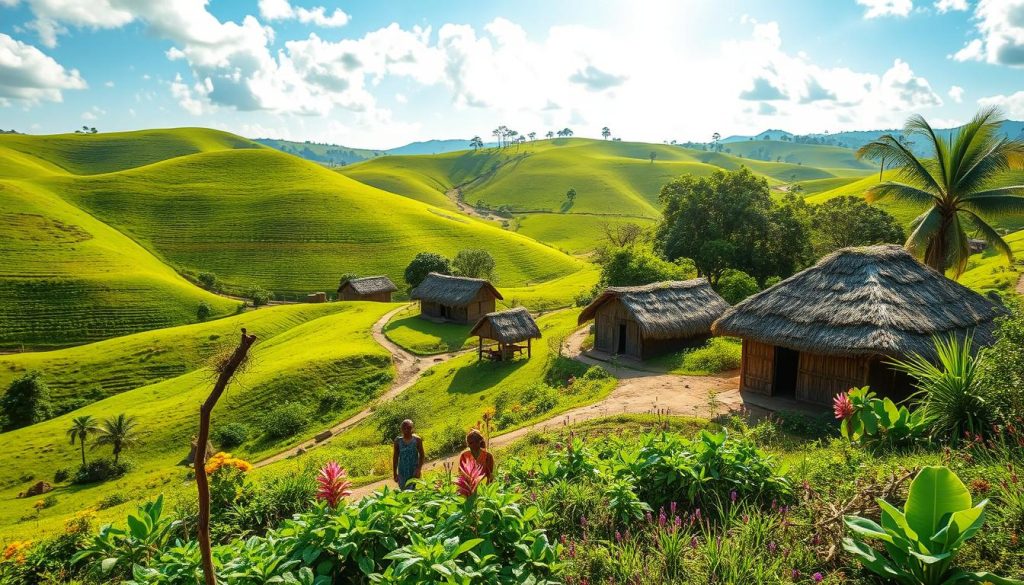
(380, 74)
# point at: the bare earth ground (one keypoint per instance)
(1020, 285)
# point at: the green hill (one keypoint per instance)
(814, 155)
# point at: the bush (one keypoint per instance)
(639, 264)
(388, 417)
(1001, 366)
(718, 355)
(735, 285)
(113, 499)
(100, 470)
(258, 295)
(474, 264)
(26, 402)
(448, 441)
(230, 435)
(207, 280)
(204, 311)
(424, 263)
(61, 475)
(285, 420)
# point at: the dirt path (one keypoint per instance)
(1020, 285)
(408, 368)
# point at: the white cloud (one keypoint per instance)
(27, 74)
(108, 84)
(879, 8)
(93, 114)
(944, 6)
(956, 93)
(400, 98)
(283, 10)
(1000, 28)
(53, 16)
(1012, 105)
(192, 102)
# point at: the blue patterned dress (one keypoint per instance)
(408, 459)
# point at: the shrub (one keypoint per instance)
(285, 420)
(100, 469)
(474, 264)
(207, 280)
(258, 295)
(61, 475)
(26, 402)
(204, 311)
(116, 551)
(736, 285)
(113, 499)
(718, 355)
(1001, 365)
(230, 435)
(878, 423)
(424, 263)
(388, 417)
(449, 440)
(49, 501)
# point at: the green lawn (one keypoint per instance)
(330, 365)
(552, 294)
(719, 354)
(424, 337)
(991, 271)
(573, 233)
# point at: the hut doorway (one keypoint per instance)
(787, 363)
(621, 345)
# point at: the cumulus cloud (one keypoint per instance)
(27, 74)
(594, 79)
(944, 6)
(282, 10)
(999, 25)
(1012, 105)
(879, 8)
(763, 90)
(956, 93)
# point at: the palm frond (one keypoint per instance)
(925, 226)
(908, 166)
(979, 169)
(996, 202)
(916, 124)
(900, 192)
(958, 246)
(990, 235)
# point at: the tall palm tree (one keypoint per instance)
(118, 432)
(966, 180)
(80, 429)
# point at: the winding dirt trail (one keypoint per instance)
(1020, 285)
(408, 369)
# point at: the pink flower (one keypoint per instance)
(818, 577)
(471, 474)
(842, 406)
(332, 485)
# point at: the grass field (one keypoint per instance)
(330, 365)
(423, 337)
(990, 270)
(573, 233)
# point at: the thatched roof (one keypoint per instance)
(451, 290)
(665, 310)
(369, 285)
(511, 326)
(876, 300)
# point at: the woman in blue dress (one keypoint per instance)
(407, 456)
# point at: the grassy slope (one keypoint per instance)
(293, 365)
(264, 217)
(584, 231)
(990, 270)
(813, 155)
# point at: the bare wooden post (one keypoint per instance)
(529, 352)
(480, 350)
(227, 369)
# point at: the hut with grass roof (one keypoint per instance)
(455, 298)
(507, 333)
(367, 288)
(643, 321)
(836, 325)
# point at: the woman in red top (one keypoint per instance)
(477, 452)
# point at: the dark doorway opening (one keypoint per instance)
(786, 363)
(446, 312)
(622, 339)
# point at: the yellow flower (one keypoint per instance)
(16, 551)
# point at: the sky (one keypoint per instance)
(379, 74)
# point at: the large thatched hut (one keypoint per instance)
(835, 325)
(509, 330)
(455, 298)
(642, 321)
(367, 288)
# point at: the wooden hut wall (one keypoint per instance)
(757, 367)
(821, 377)
(483, 303)
(349, 294)
(608, 321)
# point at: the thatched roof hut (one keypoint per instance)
(507, 328)
(367, 288)
(838, 321)
(455, 298)
(643, 320)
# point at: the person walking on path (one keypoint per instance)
(407, 457)
(476, 452)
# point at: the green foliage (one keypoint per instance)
(1000, 375)
(116, 551)
(948, 390)
(230, 435)
(61, 475)
(846, 221)
(26, 402)
(448, 441)
(207, 280)
(100, 469)
(474, 263)
(735, 285)
(203, 311)
(388, 417)
(119, 433)
(623, 503)
(637, 265)
(879, 422)
(423, 264)
(258, 295)
(921, 541)
(285, 420)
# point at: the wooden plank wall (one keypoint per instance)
(757, 367)
(820, 377)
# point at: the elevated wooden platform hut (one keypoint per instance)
(367, 288)
(642, 321)
(834, 325)
(508, 330)
(455, 298)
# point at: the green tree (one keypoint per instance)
(423, 264)
(258, 295)
(26, 402)
(846, 221)
(785, 246)
(474, 264)
(736, 285)
(967, 180)
(119, 433)
(207, 280)
(638, 265)
(476, 143)
(203, 311)
(653, 156)
(80, 429)
(605, 132)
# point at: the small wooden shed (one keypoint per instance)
(508, 330)
(835, 325)
(642, 321)
(455, 298)
(367, 288)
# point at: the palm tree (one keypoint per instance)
(80, 429)
(533, 136)
(550, 134)
(966, 180)
(118, 432)
(605, 132)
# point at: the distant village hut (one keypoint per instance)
(835, 325)
(643, 321)
(455, 298)
(367, 288)
(510, 331)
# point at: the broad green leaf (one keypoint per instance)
(961, 526)
(866, 528)
(894, 521)
(107, 565)
(467, 545)
(934, 493)
(872, 561)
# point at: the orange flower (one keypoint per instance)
(16, 551)
(226, 460)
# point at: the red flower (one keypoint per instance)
(332, 485)
(471, 474)
(842, 406)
